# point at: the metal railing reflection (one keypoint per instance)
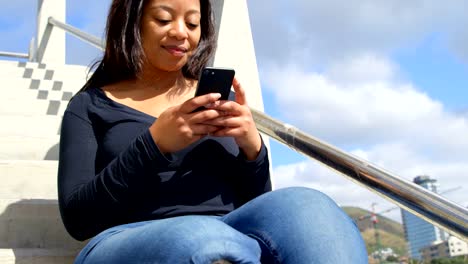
(409, 196)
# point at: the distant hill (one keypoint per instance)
(391, 233)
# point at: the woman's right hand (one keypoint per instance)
(178, 126)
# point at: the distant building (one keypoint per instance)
(419, 233)
(453, 247)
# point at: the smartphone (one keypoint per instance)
(215, 80)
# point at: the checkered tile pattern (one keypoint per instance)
(48, 88)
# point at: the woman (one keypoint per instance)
(155, 182)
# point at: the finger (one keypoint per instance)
(228, 107)
(226, 121)
(203, 130)
(229, 132)
(204, 115)
(240, 92)
(192, 104)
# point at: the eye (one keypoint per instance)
(192, 25)
(163, 21)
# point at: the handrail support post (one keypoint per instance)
(49, 43)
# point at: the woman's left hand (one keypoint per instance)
(237, 122)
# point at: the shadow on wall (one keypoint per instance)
(52, 153)
(34, 230)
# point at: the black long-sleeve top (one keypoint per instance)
(111, 172)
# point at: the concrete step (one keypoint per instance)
(36, 256)
(29, 148)
(30, 72)
(48, 103)
(8, 62)
(10, 69)
(33, 223)
(16, 76)
(20, 87)
(26, 179)
(30, 216)
(26, 125)
(27, 96)
(59, 69)
(71, 72)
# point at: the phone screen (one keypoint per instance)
(215, 80)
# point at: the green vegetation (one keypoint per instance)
(457, 260)
(391, 233)
(387, 240)
(454, 260)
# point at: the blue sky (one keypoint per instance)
(384, 80)
(439, 71)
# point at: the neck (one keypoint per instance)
(163, 81)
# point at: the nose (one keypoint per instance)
(178, 30)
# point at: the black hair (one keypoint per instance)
(123, 55)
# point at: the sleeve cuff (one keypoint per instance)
(260, 157)
(153, 151)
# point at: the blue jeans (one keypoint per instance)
(290, 226)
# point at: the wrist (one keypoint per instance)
(251, 151)
(154, 131)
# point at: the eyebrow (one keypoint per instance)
(170, 9)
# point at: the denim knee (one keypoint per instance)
(308, 204)
(299, 225)
(185, 239)
(215, 240)
(300, 198)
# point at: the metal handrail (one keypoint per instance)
(14, 55)
(95, 41)
(409, 196)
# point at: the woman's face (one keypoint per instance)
(170, 32)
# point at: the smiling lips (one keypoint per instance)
(176, 50)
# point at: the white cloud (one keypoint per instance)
(368, 68)
(400, 159)
(408, 162)
(342, 190)
(314, 32)
(362, 112)
(363, 106)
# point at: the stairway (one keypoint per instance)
(33, 98)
